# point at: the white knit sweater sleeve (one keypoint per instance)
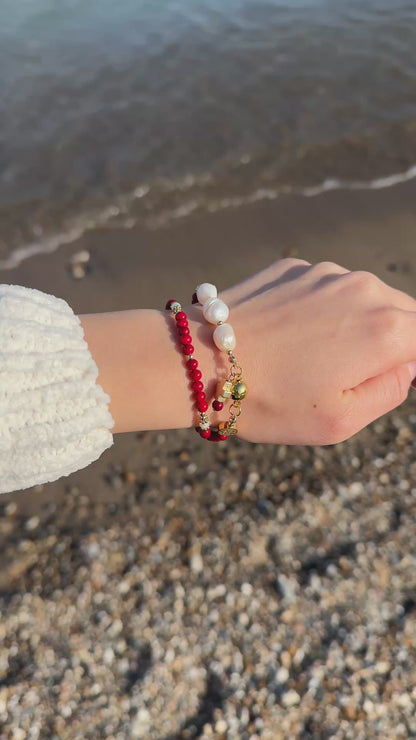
(54, 417)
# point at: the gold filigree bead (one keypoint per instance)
(224, 390)
(239, 391)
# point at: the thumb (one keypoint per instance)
(379, 395)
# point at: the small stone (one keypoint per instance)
(382, 667)
(290, 698)
(141, 724)
(32, 523)
(221, 726)
(10, 509)
(282, 675)
(196, 562)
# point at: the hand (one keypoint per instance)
(324, 351)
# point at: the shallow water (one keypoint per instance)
(114, 113)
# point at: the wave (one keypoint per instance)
(120, 214)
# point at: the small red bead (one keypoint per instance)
(182, 323)
(217, 405)
(215, 437)
(223, 436)
(202, 406)
(196, 374)
(194, 298)
(188, 349)
(197, 386)
(182, 330)
(193, 364)
(169, 304)
(200, 396)
(186, 339)
(205, 433)
(181, 315)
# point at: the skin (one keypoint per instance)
(324, 352)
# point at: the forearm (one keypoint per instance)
(142, 369)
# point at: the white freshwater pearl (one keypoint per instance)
(224, 337)
(205, 291)
(215, 310)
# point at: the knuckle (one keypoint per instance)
(325, 267)
(387, 326)
(365, 281)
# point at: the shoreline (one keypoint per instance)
(370, 230)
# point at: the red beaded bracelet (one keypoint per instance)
(195, 375)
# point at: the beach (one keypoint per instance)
(175, 589)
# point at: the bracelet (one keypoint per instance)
(215, 311)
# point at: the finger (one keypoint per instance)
(381, 394)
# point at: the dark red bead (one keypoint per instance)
(194, 298)
(200, 396)
(202, 406)
(182, 323)
(188, 349)
(205, 433)
(217, 405)
(197, 385)
(181, 315)
(193, 364)
(186, 339)
(196, 374)
(183, 330)
(215, 437)
(169, 303)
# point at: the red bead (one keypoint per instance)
(197, 385)
(187, 339)
(182, 323)
(194, 298)
(215, 437)
(181, 315)
(202, 406)
(192, 364)
(217, 405)
(183, 330)
(188, 349)
(169, 303)
(205, 433)
(223, 436)
(200, 396)
(196, 374)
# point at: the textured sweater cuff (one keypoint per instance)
(54, 417)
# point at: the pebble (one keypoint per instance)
(79, 264)
(290, 698)
(32, 523)
(185, 609)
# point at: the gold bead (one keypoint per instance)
(224, 389)
(239, 391)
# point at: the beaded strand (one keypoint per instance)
(194, 374)
(233, 387)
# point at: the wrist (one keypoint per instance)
(141, 367)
